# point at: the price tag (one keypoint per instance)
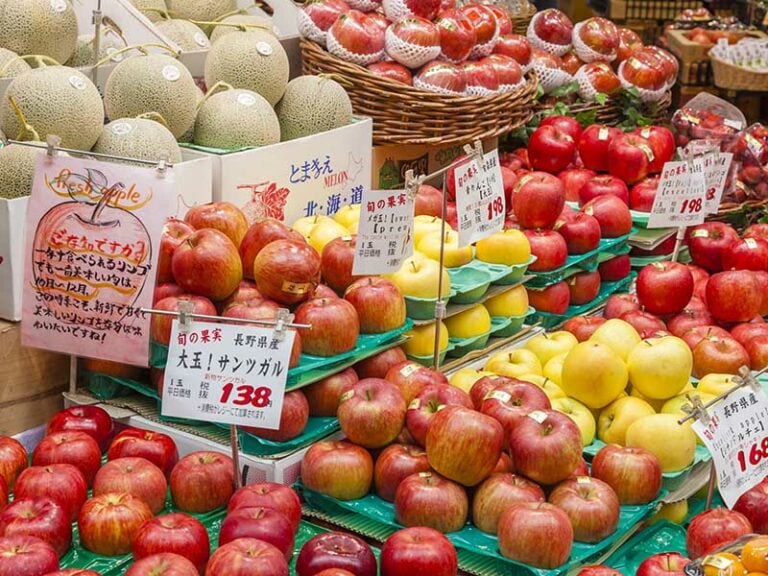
(385, 232)
(231, 374)
(680, 200)
(716, 167)
(479, 198)
(737, 438)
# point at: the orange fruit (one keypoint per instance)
(755, 555)
(723, 564)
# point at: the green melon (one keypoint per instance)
(17, 170)
(311, 105)
(55, 100)
(252, 60)
(138, 138)
(10, 67)
(46, 27)
(262, 22)
(201, 10)
(187, 35)
(189, 135)
(236, 119)
(152, 83)
(152, 9)
(83, 56)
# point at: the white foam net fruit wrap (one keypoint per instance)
(407, 53)
(584, 52)
(645, 94)
(335, 48)
(421, 85)
(396, 9)
(586, 90)
(485, 49)
(364, 5)
(512, 87)
(552, 78)
(309, 30)
(536, 42)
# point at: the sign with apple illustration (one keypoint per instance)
(90, 257)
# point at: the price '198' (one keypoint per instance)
(256, 397)
(754, 455)
(495, 208)
(691, 206)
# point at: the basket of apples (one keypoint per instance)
(426, 71)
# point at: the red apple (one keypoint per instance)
(633, 473)
(379, 304)
(174, 533)
(718, 356)
(158, 448)
(629, 158)
(92, 420)
(598, 570)
(613, 215)
(550, 149)
(166, 290)
(222, 216)
(554, 299)
(581, 233)
(265, 524)
(63, 483)
(550, 249)
(593, 146)
(412, 41)
(615, 269)
(293, 419)
(535, 533)
(174, 233)
(393, 71)
(584, 287)
(746, 254)
(74, 572)
(662, 142)
(664, 564)
(707, 243)
(486, 27)
(664, 287)
(484, 385)
(337, 550)
(515, 46)
(323, 396)
(762, 280)
(418, 550)
(646, 324)
(695, 335)
(246, 557)
(643, 194)
(13, 459)
(573, 179)
(429, 201)
(600, 77)
(108, 524)
(553, 26)
(411, 377)
(39, 517)
(714, 528)
(759, 230)
(497, 493)
(334, 326)
(394, 465)
(504, 465)
(428, 499)
(619, 304)
(602, 185)
(643, 71)
(743, 333)
(202, 482)
(356, 37)
(321, 465)
(566, 124)
(26, 556)
(545, 446)
(592, 506)
(372, 412)
(427, 403)
(378, 365)
(164, 564)
(734, 296)
(629, 43)
(757, 349)
(753, 504)
(136, 476)
(445, 78)
(208, 263)
(457, 38)
(538, 199)
(583, 326)
(269, 495)
(160, 326)
(258, 236)
(287, 271)
(336, 263)
(76, 448)
(687, 319)
(509, 403)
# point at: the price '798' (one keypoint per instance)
(753, 455)
(495, 208)
(246, 395)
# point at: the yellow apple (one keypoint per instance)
(418, 278)
(593, 374)
(674, 445)
(421, 340)
(304, 225)
(675, 512)
(660, 368)
(618, 416)
(513, 302)
(454, 255)
(581, 416)
(656, 404)
(323, 232)
(423, 225)
(465, 378)
(508, 247)
(348, 215)
(620, 336)
(353, 227)
(469, 323)
(548, 345)
(675, 405)
(716, 384)
(514, 363)
(551, 389)
(553, 369)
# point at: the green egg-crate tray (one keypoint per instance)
(642, 261)
(106, 387)
(463, 346)
(660, 537)
(428, 361)
(506, 327)
(471, 281)
(549, 321)
(314, 368)
(621, 250)
(478, 551)
(424, 308)
(579, 262)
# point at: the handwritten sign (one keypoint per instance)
(716, 167)
(225, 373)
(91, 252)
(479, 198)
(681, 196)
(737, 438)
(385, 232)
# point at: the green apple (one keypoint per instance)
(580, 415)
(469, 323)
(453, 254)
(513, 302)
(660, 368)
(618, 335)
(418, 278)
(514, 363)
(508, 247)
(548, 345)
(618, 416)
(348, 215)
(421, 340)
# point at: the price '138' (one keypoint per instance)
(256, 397)
(691, 206)
(495, 208)
(754, 455)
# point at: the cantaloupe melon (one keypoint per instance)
(138, 138)
(252, 60)
(110, 42)
(152, 9)
(152, 83)
(189, 135)
(47, 27)
(201, 10)
(10, 64)
(311, 105)
(236, 119)
(187, 35)
(248, 20)
(54, 100)
(17, 170)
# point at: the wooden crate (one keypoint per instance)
(666, 10)
(31, 382)
(682, 47)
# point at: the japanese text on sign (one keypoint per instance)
(479, 198)
(90, 257)
(716, 167)
(226, 373)
(737, 438)
(385, 232)
(681, 196)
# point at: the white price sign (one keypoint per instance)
(479, 198)
(737, 438)
(716, 167)
(681, 196)
(231, 374)
(385, 232)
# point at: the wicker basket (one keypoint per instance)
(406, 115)
(611, 113)
(732, 77)
(520, 24)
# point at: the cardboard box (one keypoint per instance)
(303, 177)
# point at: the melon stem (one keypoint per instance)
(26, 129)
(141, 48)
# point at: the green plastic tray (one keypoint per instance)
(663, 536)
(639, 219)
(643, 261)
(106, 387)
(473, 545)
(463, 346)
(428, 361)
(507, 327)
(424, 308)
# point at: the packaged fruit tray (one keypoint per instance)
(579, 262)
(663, 536)
(697, 567)
(550, 321)
(475, 547)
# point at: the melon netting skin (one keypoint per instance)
(138, 138)
(584, 52)
(552, 78)
(44, 27)
(12, 69)
(536, 42)
(645, 94)
(408, 54)
(311, 31)
(312, 105)
(335, 48)
(236, 119)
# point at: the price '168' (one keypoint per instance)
(754, 455)
(256, 397)
(495, 208)
(691, 206)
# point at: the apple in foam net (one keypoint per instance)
(515, 46)
(174, 533)
(412, 41)
(593, 146)
(427, 403)
(549, 247)
(643, 73)
(393, 71)
(354, 36)
(457, 36)
(418, 550)
(601, 77)
(508, 71)
(629, 43)
(553, 26)
(486, 28)
(481, 77)
(571, 63)
(551, 149)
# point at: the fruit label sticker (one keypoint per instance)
(230, 374)
(385, 232)
(93, 231)
(737, 437)
(479, 198)
(680, 200)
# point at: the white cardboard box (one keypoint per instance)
(323, 171)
